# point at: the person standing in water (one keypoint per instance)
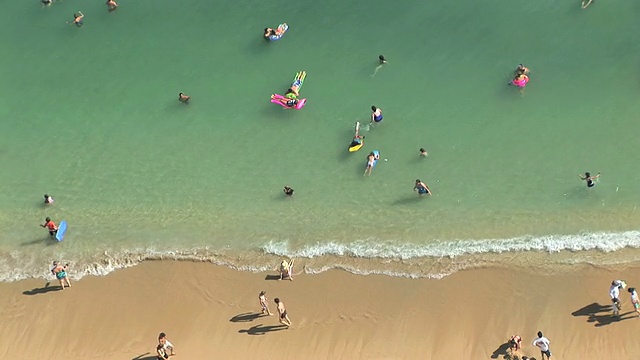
(48, 199)
(423, 152)
(51, 226)
(112, 5)
(382, 59)
(264, 303)
(589, 179)
(184, 98)
(78, 19)
(288, 191)
(61, 274)
(376, 114)
(422, 188)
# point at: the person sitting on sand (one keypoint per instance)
(286, 269)
(262, 298)
(184, 98)
(112, 5)
(48, 199)
(61, 274)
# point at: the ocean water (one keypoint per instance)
(90, 115)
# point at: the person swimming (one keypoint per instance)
(423, 152)
(111, 5)
(286, 102)
(382, 59)
(269, 32)
(589, 179)
(371, 162)
(294, 91)
(376, 114)
(357, 138)
(521, 70)
(184, 98)
(47, 2)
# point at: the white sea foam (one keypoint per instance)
(331, 256)
(605, 242)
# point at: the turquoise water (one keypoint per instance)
(90, 116)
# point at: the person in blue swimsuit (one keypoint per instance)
(422, 188)
(376, 114)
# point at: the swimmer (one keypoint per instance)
(269, 32)
(376, 114)
(288, 191)
(184, 98)
(589, 179)
(371, 161)
(422, 188)
(423, 152)
(51, 226)
(112, 5)
(520, 70)
(78, 19)
(48, 199)
(586, 3)
(288, 103)
(294, 91)
(357, 138)
(47, 2)
(382, 59)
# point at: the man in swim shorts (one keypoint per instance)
(61, 273)
(422, 188)
(282, 312)
(589, 179)
(51, 226)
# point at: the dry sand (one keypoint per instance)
(211, 312)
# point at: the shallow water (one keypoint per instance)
(90, 116)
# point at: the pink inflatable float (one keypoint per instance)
(288, 103)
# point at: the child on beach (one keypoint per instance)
(264, 303)
(635, 300)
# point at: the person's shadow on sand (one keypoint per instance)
(501, 350)
(42, 290)
(245, 317)
(601, 314)
(272, 277)
(261, 330)
(140, 357)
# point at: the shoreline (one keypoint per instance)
(208, 310)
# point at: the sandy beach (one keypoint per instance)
(210, 311)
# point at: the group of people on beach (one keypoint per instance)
(283, 316)
(614, 294)
(515, 347)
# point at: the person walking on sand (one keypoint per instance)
(51, 226)
(376, 114)
(543, 344)
(264, 303)
(635, 300)
(515, 343)
(589, 179)
(60, 273)
(614, 294)
(282, 312)
(167, 346)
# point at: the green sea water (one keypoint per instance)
(90, 115)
